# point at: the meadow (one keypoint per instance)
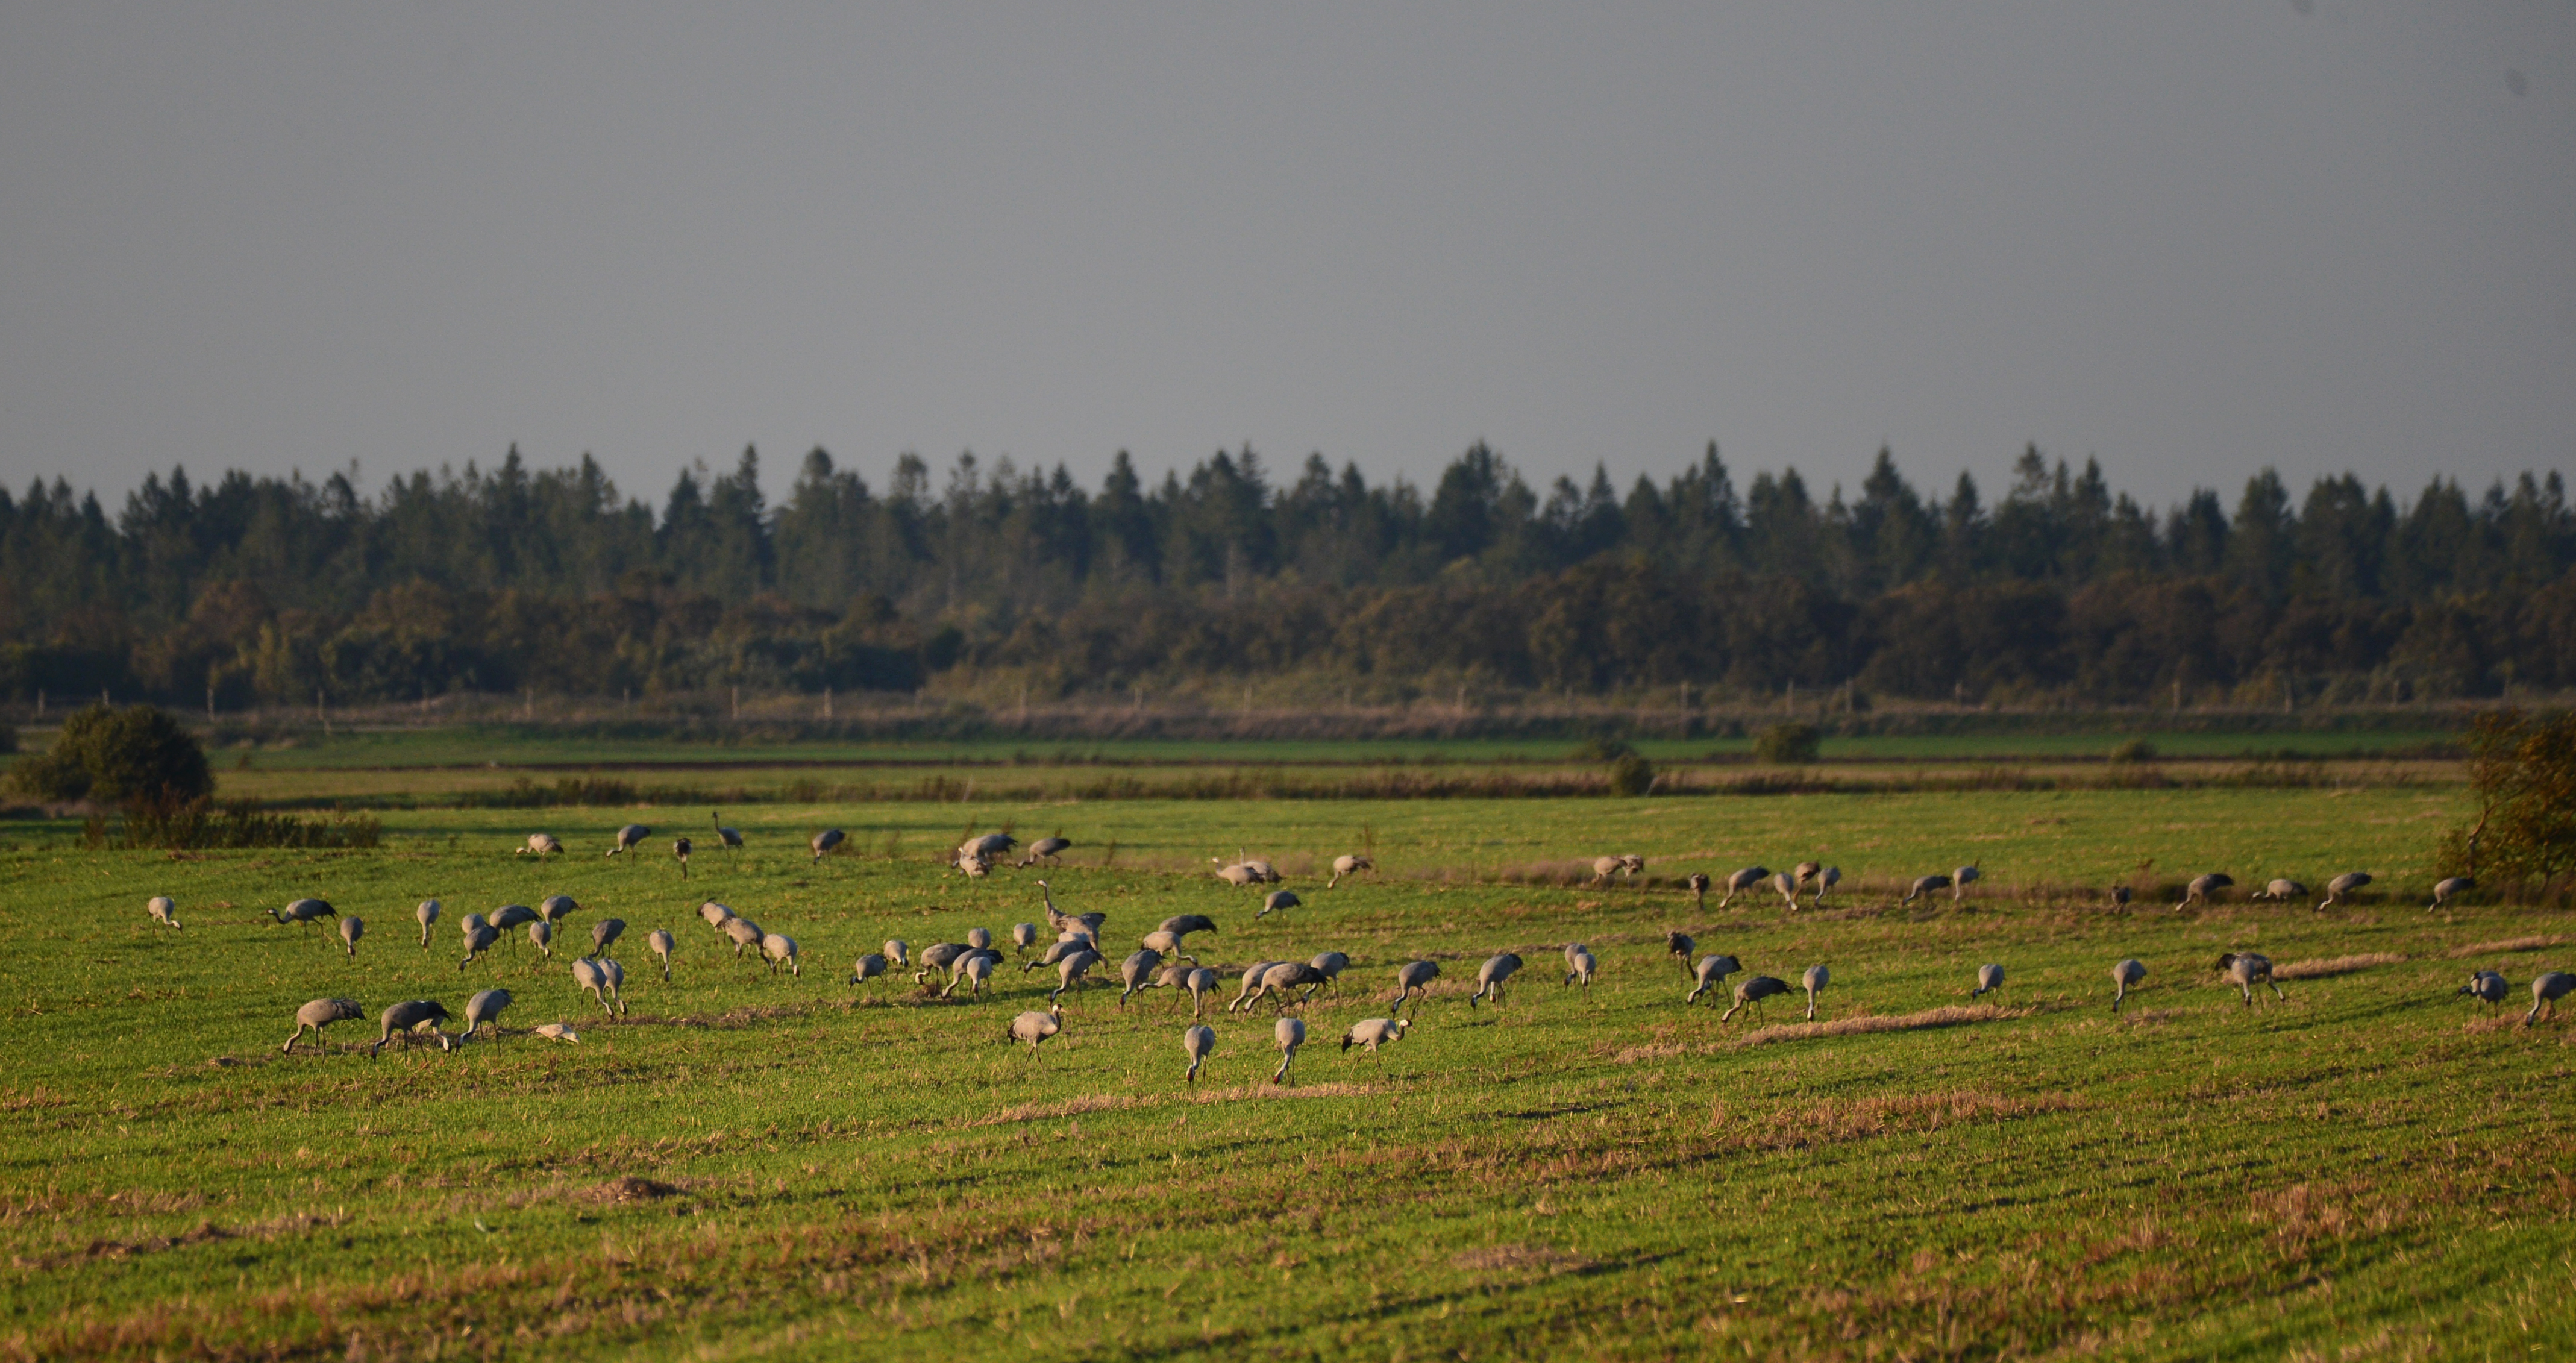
(747, 1165)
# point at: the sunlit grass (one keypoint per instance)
(798, 1168)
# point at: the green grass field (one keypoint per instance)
(749, 1166)
(472, 746)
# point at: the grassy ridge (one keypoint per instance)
(793, 1167)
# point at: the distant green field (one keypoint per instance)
(791, 1167)
(464, 747)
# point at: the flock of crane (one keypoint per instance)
(1163, 958)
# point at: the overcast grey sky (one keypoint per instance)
(2191, 239)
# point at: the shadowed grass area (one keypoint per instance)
(799, 1168)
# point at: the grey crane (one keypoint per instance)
(662, 944)
(1137, 972)
(1167, 944)
(2282, 889)
(1199, 981)
(540, 844)
(1924, 885)
(604, 934)
(825, 841)
(869, 967)
(1057, 951)
(1960, 879)
(303, 911)
(1787, 885)
(1261, 870)
(715, 914)
(352, 928)
(1023, 936)
(604, 980)
(1237, 875)
(1349, 864)
(479, 937)
(2203, 886)
(629, 838)
(408, 1018)
(1198, 1043)
(975, 868)
(427, 913)
(1743, 880)
(2488, 987)
(898, 953)
(164, 910)
(1605, 869)
(1826, 880)
(2343, 885)
(989, 848)
(1290, 1033)
(1491, 976)
(1580, 967)
(1275, 983)
(980, 938)
(2546, 991)
(1413, 980)
(1990, 978)
(558, 907)
(1276, 901)
(1251, 982)
(2125, 976)
(556, 1031)
(2121, 895)
(2446, 889)
(1032, 1028)
(1330, 965)
(482, 1008)
(939, 956)
(510, 916)
(1183, 924)
(1805, 871)
(1712, 974)
(1679, 946)
(745, 934)
(1373, 1033)
(1816, 978)
(1046, 850)
(1753, 992)
(974, 970)
(1073, 971)
(541, 935)
(729, 838)
(680, 848)
(1697, 882)
(319, 1014)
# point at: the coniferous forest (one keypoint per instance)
(248, 591)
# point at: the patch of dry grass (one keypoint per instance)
(1948, 1015)
(1067, 1107)
(1519, 1258)
(2538, 943)
(1334, 1090)
(2335, 965)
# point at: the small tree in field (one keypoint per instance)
(2523, 770)
(138, 757)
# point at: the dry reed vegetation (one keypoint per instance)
(2336, 965)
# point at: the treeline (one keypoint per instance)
(265, 590)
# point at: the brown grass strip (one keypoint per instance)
(1069, 1107)
(2541, 943)
(1948, 1015)
(2335, 965)
(1276, 1091)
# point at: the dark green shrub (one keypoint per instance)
(1632, 774)
(1784, 745)
(137, 756)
